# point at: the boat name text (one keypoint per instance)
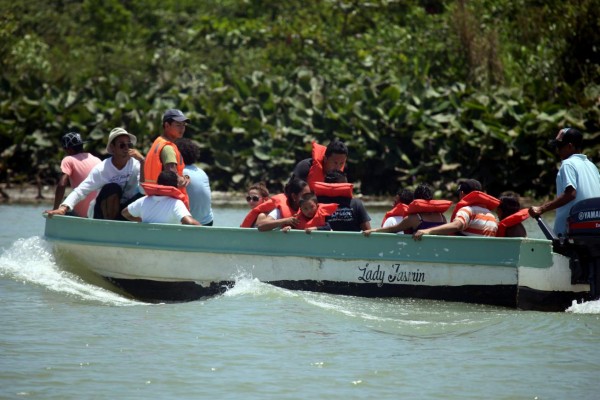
(375, 273)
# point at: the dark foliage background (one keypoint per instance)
(420, 90)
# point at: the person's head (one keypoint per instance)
(404, 196)
(72, 143)
(467, 186)
(189, 150)
(294, 190)
(308, 205)
(256, 194)
(167, 178)
(336, 176)
(174, 123)
(336, 155)
(423, 192)
(119, 143)
(509, 204)
(567, 142)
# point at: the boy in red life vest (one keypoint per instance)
(163, 203)
(472, 215)
(401, 201)
(422, 213)
(312, 214)
(323, 161)
(511, 216)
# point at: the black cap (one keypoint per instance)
(175, 115)
(469, 185)
(71, 139)
(567, 135)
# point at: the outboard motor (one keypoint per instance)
(583, 239)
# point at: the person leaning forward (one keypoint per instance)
(164, 154)
(577, 179)
(117, 178)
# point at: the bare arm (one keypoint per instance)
(126, 214)
(138, 156)
(451, 227)
(59, 194)
(267, 223)
(188, 220)
(565, 198)
(406, 223)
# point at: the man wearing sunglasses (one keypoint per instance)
(117, 178)
(577, 179)
(164, 154)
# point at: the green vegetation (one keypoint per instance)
(427, 90)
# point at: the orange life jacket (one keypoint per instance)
(154, 189)
(277, 201)
(153, 166)
(323, 210)
(399, 210)
(315, 173)
(333, 189)
(512, 220)
(428, 206)
(476, 198)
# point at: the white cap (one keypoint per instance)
(116, 133)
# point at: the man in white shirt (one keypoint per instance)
(117, 178)
(162, 205)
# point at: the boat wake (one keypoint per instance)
(587, 307)
(31, 261)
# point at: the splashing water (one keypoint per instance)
(30, 260)
(587, 307)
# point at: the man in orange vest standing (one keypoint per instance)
(163, 154)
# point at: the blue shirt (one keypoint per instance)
(199, 193)
(580, 173)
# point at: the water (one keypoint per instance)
(65, 338)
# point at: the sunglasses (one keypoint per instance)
(126, 145)
(252, 198)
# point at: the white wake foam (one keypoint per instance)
(31, 261)
(587, 307)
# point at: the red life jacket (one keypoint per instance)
(399, 210)
(476, 198)
(512, 220)
(428, 206)
(315, 173)
(333, 189)
(154, 189)
(277, 201)
(323, 210)
(153, 166)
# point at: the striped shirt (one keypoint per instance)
(478, 221)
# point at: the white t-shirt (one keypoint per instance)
(391, 221)
(275, 214)
(159, 210)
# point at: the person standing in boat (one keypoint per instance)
(284, 206)
(118, 178)
(164, 203)
(164, 154)
(323, 161)
(198, 190)
(472, 215)
(577, 179)
(76, 166)
(422, 213)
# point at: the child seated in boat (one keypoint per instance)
(312, 214)
(511, 216)
(163, 203)
(422, 213)
(401, 201)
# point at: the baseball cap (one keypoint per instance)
(567, 135)
(71, 139)
(116, 133)
(175, 115)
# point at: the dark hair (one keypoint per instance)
(294, 186)
(509, 204)
(260, 188)
(469, 185)
(336, 177)
(189, 150)
(167, 178)
(336, 147)
(308, 197)
(424, 192)
(405, 196)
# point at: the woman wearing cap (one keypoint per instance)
(76, 166)
(117, 178)
(577, 179)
